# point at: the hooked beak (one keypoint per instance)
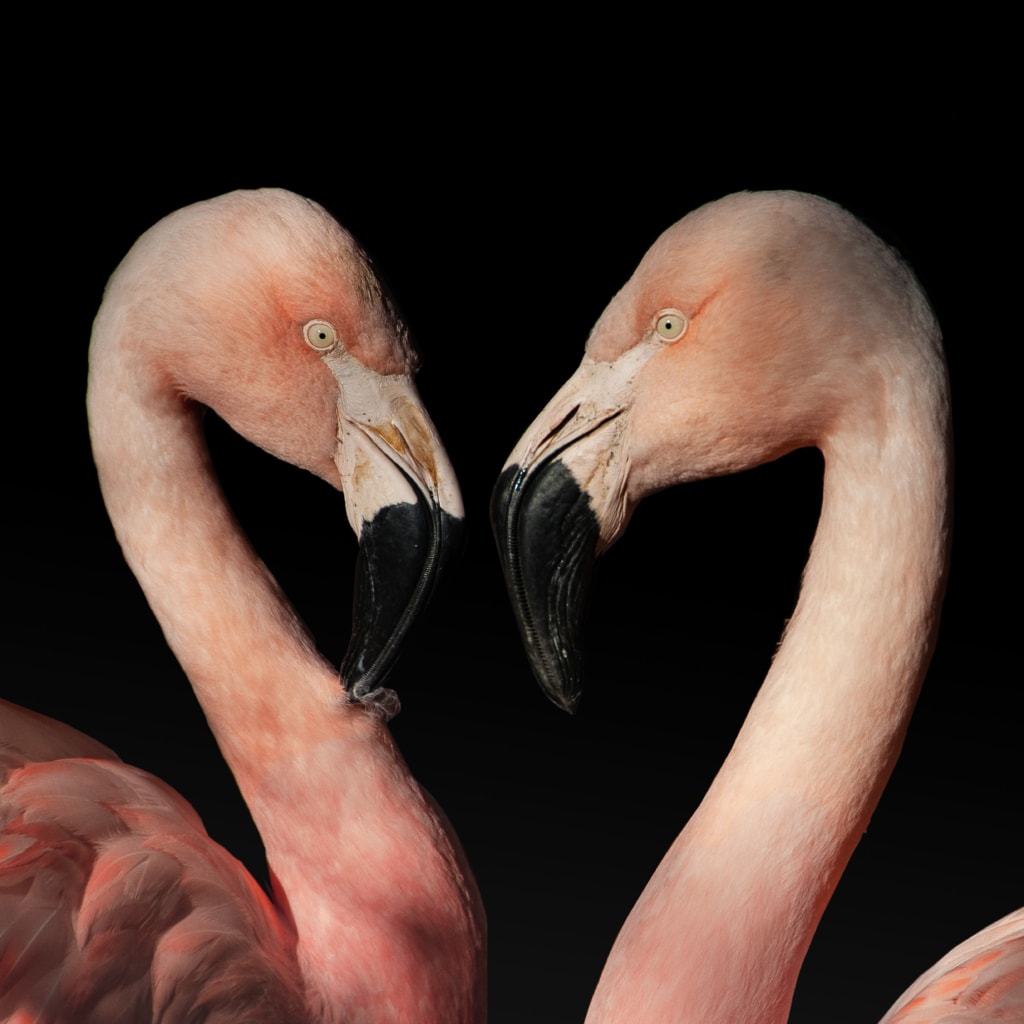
(559, 503)
(547, 534)
(403, 502)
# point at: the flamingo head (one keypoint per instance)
(259, 305)
(756, 325)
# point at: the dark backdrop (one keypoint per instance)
(504, 224)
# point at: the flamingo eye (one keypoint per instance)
(671, 325)
(320, 335)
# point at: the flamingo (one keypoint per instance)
(115, 905)
(758, 324)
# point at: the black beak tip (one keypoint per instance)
(560, 679)
(403, 551)
(567, 702)
(547, 532)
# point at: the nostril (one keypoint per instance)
(565, 419)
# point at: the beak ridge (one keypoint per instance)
(547, 534)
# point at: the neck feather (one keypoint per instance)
(726, 920)
(367, 874)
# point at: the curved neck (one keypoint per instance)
(370, 885)
(725, 922)
(248, 657)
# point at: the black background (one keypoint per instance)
(504, 216)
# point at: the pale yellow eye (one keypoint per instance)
(671, 325)
(320, 335)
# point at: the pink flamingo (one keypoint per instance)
(756, 325)
(115, 905)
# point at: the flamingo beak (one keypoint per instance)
(559, 503)
(547, 534)
(403, 502)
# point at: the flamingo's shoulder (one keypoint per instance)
(115, 904)
(981, 980)
(27, 736)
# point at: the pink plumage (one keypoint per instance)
(115, 905)
(981, 981)
(759, 324)
(118, 906)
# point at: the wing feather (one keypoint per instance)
(981, 981)
(115, 904)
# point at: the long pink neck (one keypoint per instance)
(368, 880)
(720, 932)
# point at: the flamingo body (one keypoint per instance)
(115, 905)
(756, 325)
(981, 981)
(108, 883)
